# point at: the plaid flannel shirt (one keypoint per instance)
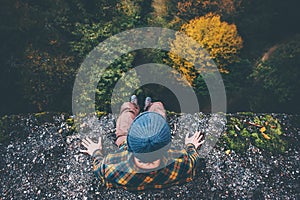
(119, 171)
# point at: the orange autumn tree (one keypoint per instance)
(219, 39)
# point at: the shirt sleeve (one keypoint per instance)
(123, 146)
(98, 165)
(192, 154)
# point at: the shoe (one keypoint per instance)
(133, 99)
(148, 102)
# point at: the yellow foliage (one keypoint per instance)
(219, 39)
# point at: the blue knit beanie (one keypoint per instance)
(149, 137)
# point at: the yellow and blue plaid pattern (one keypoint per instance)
(118, 171)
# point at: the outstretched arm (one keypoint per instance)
(94, 150)
(192, 144)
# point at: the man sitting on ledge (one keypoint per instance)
(145, 159)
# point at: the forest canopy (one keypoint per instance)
(254, 44)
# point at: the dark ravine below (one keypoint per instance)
(42, 161)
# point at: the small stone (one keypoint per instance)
(227, 152)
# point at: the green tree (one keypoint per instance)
(276, 78)
(41, 63)
(123, 15)
(65, 32)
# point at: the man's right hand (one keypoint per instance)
(197, 139)
(90, 146)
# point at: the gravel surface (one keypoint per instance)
(42, 161)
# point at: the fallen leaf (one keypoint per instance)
(236, 126)
(265, 136)
(253, 124)
(227, 152)
(266, 123)
(263, 129)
